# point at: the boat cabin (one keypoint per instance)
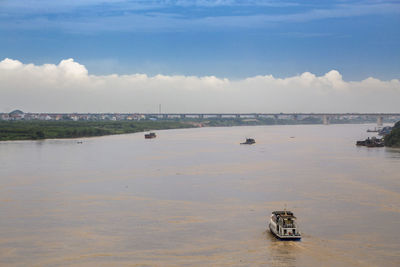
(285, 224)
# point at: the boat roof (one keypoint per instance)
(284, 213)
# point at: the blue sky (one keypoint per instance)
(225, 38)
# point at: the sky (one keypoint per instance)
(200, 55)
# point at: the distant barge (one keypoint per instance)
(150, 136)
(375, 130)
(249, 141)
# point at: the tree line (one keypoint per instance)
(35, 130)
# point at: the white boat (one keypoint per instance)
(283, 225)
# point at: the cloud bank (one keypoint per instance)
(68, 87)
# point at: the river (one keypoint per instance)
(196, 197)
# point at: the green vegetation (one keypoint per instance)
(37, 129)
(393, 139)
(34, 130)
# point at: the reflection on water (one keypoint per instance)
(196, 197)
(282, 253)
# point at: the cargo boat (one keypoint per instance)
(150, 135)
(283, 225)
(371, 142)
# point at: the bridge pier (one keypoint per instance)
(183, 116)
(379, 120)
(201, 116)
(325, 119)
(237, 116)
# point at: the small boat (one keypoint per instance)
(150, 135)
(283, 225)
(249, 141)
(375, 130)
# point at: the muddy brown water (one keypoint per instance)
(196, 197)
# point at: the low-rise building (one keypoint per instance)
(4, 116)
(16, 115)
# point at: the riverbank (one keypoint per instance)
(36, 130)
(393, 139)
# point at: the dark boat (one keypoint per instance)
(150, 135)
(371, 142)
(249, 141)
(360, 143)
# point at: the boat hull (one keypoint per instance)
(150, 136)
(249, 141)
(284, 237)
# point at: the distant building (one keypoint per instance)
(58, 117)
(134, 117)
(4, 117)
(74, 117)
(16, 115)
(44, 117)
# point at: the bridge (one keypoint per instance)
(325, 117)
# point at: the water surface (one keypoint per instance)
(196, 197)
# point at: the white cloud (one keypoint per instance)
(68, 87)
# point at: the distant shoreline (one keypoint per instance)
(393, 138)
(39, 130)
